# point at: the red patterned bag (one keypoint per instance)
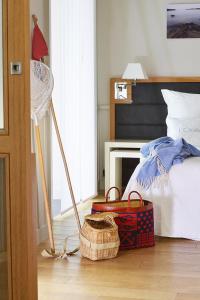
(135, 221)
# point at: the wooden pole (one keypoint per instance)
(44, 187)
(35, 19)
(65, 165)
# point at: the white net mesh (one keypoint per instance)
(41, 89)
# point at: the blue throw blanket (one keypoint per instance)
(161, 155)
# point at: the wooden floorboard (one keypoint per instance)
(168, 271)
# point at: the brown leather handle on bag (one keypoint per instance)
(108, 192)
(129, 198)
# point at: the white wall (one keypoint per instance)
(41, 9)
(135, 30)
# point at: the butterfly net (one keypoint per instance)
(41, 89)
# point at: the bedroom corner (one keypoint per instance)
(122, 159)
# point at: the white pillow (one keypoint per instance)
(189, 129)
(182, 105)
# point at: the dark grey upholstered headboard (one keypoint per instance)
(145, 117)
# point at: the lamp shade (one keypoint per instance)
(134, 71)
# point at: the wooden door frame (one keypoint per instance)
(15, 143)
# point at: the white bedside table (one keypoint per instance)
(114, 152)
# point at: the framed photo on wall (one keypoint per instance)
(183, 21)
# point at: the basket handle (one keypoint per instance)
(108, 193)
(111, 220)
(129, 198)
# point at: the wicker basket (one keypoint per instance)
(135, 220)
(99, 237)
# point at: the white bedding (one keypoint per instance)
(176, 200)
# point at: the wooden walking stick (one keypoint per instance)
(44, 188)
(52, 252)
(65, 165)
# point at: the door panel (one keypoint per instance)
(4, 290)
(18, 232)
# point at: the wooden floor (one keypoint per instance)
(168, 271)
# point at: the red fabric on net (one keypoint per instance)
(39, 46)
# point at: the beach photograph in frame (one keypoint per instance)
(183, 21)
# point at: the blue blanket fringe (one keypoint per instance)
(161, 154)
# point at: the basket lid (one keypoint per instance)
(101, 217)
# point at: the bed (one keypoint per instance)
(177, 199)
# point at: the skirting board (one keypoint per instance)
(70, 210)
